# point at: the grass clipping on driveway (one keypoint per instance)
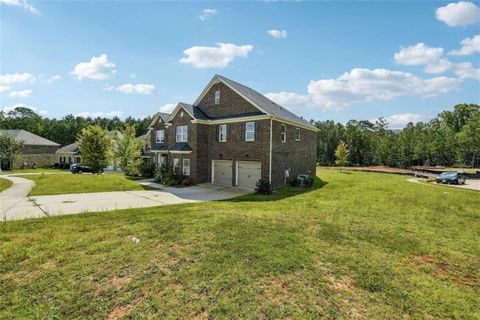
(50, 184)
(363, 246)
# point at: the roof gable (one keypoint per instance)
(28, 138)
(257, 99)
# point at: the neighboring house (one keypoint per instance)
(37, 151)
(71, 153)
(232, 135)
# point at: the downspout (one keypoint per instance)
(270, 162)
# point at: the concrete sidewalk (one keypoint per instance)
(15, 203)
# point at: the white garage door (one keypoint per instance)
(222, 172)
(248, 173)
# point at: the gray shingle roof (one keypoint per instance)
(72, 148)
(164, 115)
(28, 138)
(181, 146)
(194, 111)
(263, 102)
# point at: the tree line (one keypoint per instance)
(450, 139)
(65, 130)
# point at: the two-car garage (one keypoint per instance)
(247, 173)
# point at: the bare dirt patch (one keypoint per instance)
(118, 282)
(342, 284)
(120, 312)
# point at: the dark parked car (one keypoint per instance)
(81, 168)
(451, 178)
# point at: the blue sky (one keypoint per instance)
(323, 60)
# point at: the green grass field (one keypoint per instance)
(5, 184)
(364, 246)
(48, 184)
(38, 170)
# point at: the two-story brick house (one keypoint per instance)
(232, 135)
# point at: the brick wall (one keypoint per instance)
(231, 103)
(299, 156)
(237, 149)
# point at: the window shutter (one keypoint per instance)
(257, 126)
(227, 134)
(217, 131)
(242, 131)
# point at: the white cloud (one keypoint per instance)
(21, 3)
(20, 94)
(7, 79)
(98, 68)
(279, 34)
(54, 78)
(4, 88)
(133, 75)
(214, 57)
(418, 54)
(469, 46)
(402, 119)
(207, 14)
(465, 70)
(112, 114)
(109, 88)
(141, 88)
(458, 14)
(364, 85)
(168, 108)
(291, 99)
(440, 66)
(22, 105)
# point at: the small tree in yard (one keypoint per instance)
(96, 147)
(127, 151)
(9, 149)
(342, 154)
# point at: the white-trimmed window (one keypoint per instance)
(160, 136)
(176, 165)
(217, 97)
(162, 161)
(222, 133)
(182, 134)
(283, 133)
(297, 134)
(186, 167)
(250, 131)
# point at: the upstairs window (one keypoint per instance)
(160, 136)
(297, 134)
(217, 97)
(222, 133)
(182, 134)
(283, 133)
(250, 131)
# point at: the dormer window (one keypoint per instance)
(217, 97)
(160, 136)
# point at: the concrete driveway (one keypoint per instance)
(15, 204)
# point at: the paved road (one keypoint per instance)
(15, 204)
(470, 184)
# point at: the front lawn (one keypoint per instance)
(364, 246)
(5, 184)
(48, 184)
(38, 170)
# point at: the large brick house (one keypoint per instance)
(232, 135)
